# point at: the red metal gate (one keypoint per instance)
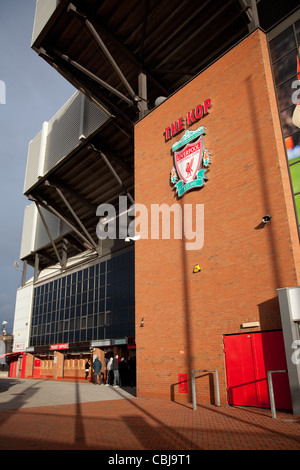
(248, 358)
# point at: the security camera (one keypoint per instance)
(266, 219)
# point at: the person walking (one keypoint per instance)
(97, 366)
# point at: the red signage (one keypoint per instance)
(192, 116)
(182, 383)
(55, 347)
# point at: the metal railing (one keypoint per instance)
(194, 386)
(271, 391)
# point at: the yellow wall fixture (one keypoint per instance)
(197, 268)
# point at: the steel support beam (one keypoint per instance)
(65, 187)
(66, 202)
(24, 272)
(51, 209)
(113, 171)
(143, 104)
(94, 77)
(119, 44)
(48, 233)
(36, 267)
(64, 253)
(110, 59)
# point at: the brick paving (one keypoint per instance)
(128, 424)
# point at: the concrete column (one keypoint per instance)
(29, 365)
(58, 366)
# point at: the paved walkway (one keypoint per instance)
(44, 415)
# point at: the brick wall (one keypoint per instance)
(242, 262)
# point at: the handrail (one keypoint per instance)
(194, 386)
(271, 391)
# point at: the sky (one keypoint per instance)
(31, 92)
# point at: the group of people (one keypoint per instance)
(121, 372)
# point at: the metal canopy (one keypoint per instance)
(123, 55)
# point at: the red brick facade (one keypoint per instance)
(242, 261)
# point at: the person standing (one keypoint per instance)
(110, 372)
(97, 366)
(115, 368)
(87, 368)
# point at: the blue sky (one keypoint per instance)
(34, 93)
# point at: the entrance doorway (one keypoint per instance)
(248, 357)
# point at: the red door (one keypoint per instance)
(248, 358)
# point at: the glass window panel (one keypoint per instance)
(103, 266)
(108, 305)
(283, 43)
(295, 177)
(102, 292)
(108, 332)
(90, 309)
(287, 123)
(292, 144)
(108, 318)
(297, 26)
(89, 334)
(116, 330)
(297, 203)
(108, 290)
(101, 332)
(286, 67)
(97, 268)
(285, 92)
(83, 309)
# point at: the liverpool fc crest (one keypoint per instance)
(191, 161)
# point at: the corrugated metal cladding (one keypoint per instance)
(76, 120)
(43, 12)
(34, 235)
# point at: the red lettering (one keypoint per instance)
(199, 112)
(206, 105)
(180, 124)
(190, 117)
(167, 133)
(174, 128)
